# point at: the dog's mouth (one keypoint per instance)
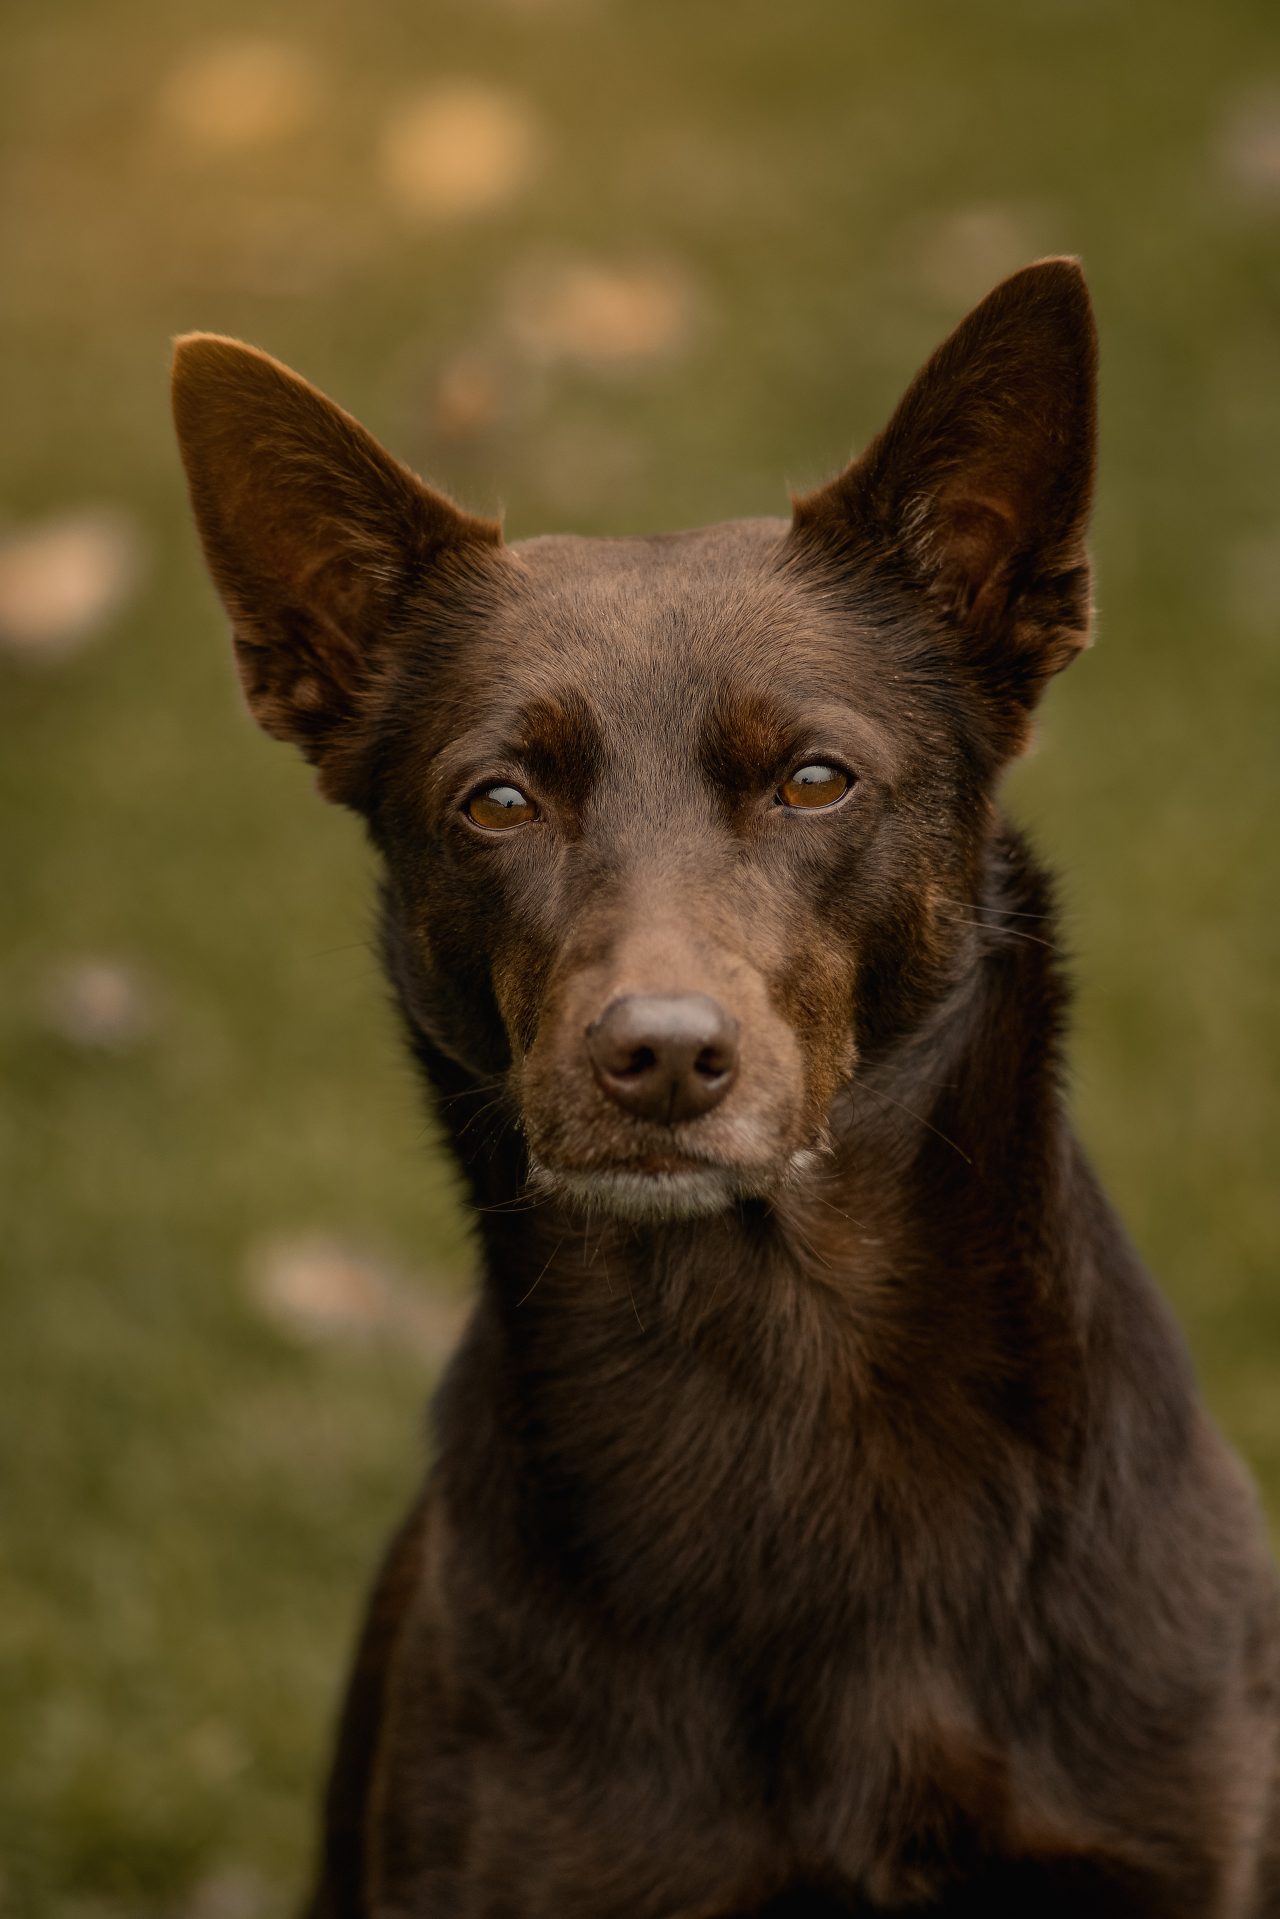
(665, 1185)
(657, 1187)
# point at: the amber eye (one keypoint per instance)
(499, 807)
(814, 786)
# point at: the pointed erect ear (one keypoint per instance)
(314, 536)
(979, 488)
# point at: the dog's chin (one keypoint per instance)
(686, 1192)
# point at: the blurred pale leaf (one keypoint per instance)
(317, 1288)
(460, 150)
(100, 1004)
(472, 394)
(233, 1892)
(241, 93)
(1249, 143)
(594, 312)
(63, 579)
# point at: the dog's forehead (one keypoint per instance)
(653, 591)
(658, 619)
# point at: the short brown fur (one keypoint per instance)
(822, 1518)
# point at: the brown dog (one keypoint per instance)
(823, 1519)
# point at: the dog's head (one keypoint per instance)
(675, 828)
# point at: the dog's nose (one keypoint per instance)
(664, 1056)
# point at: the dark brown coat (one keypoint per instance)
(823, 1518)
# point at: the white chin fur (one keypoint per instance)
(691, 1193)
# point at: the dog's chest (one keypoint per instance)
(885, 1778)
(793, 1566)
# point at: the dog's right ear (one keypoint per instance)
(314, 536)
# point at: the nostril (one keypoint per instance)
(711, 1063)
(642, 1060)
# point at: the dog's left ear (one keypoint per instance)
(980, 486)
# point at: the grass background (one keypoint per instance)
(780, 209)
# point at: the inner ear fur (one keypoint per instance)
(979, 488)
(314, 536)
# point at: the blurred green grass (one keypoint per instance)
(785, 208)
